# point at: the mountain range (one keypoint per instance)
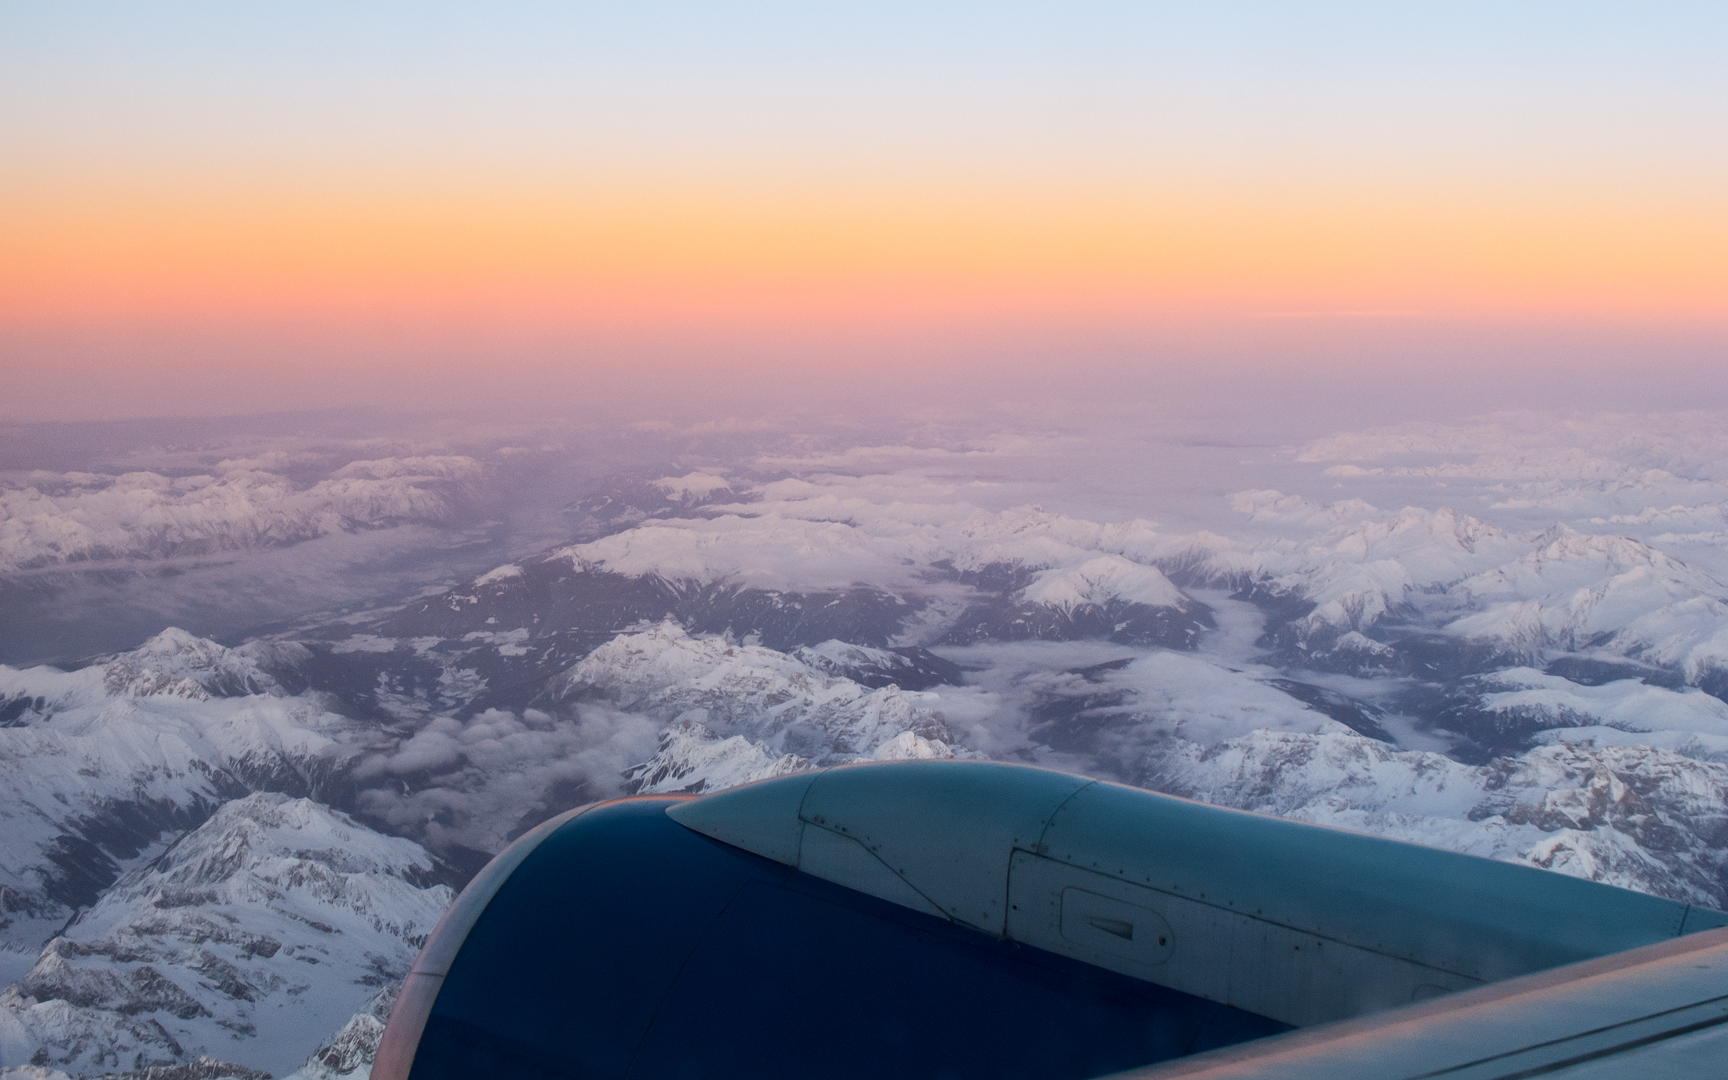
(220, 857)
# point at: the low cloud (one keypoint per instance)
(478, 783)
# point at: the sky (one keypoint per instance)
(215, 208)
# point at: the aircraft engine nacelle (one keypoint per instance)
(965, 920)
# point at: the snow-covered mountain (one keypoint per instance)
(57, 518)
(103, 766)
(1023, 574)
(783, 709)
(1609, 592)
(908, 667)
(249, 940)
(1634, 816)
(1526, 661)
(349, 1053)
(1437, 592)
(1355, 575)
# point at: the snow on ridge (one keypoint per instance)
(1636, 817)
(74, 517)
(1101, 580)
(772, 698)
(201, 951)
(766, 551)
(1578, 588)
(803, 536)
(499, 573)
(910, 746)
(180, 663)
(1275, 506)
(692, 759)
(831, 655)
(135, 769)
(1355, 574)
(1589, 466)
(349, 1053)
(692, 487)
(1359, 570)
(1621, 712)
(173, 663)
(1529, 592)
(1567, 558)
(1436, 545)
(1696, 517)
(1165, 695)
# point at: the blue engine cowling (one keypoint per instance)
(973, 920)
(626, 945)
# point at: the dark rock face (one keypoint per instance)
(1282, 611)
(23, 711)
(1596, 671)
(1444, 657)
(1000, 614)
(1714, 681)
(141, 990)
(1459, 708)
(103, 840)
(1359, 716)
(1000, 578)
(112, 824)
(1005, 619)
(495, 642)
(783, 621)
(88, 858)
(1071, 722)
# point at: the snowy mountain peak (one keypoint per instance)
(834, 656)
(1430, 542)
(1101, 580)
(1274, 506)
(633, 666)
(694, 487)
(96, 783)
(248, 833)
(908, 667)
(208, 950)
(691, 759)
(1579, 589)
(180, 664)
(773, 700)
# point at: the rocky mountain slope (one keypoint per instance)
(104, 766)
(249, 939)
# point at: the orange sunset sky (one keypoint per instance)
(207, 209)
